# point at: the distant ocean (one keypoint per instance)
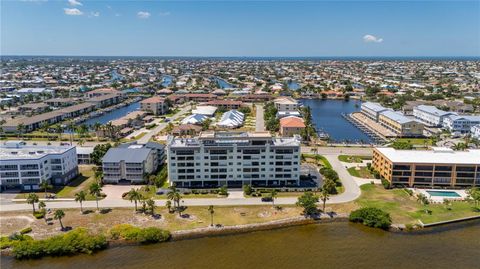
(228, 58)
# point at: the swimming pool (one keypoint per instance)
(444, 193)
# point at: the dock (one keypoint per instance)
(376, 136)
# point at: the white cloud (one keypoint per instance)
(95, 14)
(72, 11)
(74, 3)
(143, 14)
(166, 13)
(372, 39)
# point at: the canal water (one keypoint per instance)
(293, 85)
(223, 84)
(328, 245)
(114, 114)
(167, 80)
(327, 116)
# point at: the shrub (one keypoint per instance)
(6, 242)
(247, 189)
(145, 236)
(371, 217)
(73, 242)
(39, 214)
(26, 230)
(386, 184)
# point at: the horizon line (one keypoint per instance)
(242, 56)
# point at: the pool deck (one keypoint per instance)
(439, 199)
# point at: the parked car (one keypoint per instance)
(267, 199)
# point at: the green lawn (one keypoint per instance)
(416, 141)
(319, 159)
(353, 158)
(404, 208)
(362, 172)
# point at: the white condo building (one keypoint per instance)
(233, 159)
(430, 115)
(25, 167)
(475, 131)
(461, 124)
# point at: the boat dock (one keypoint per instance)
(376, 136)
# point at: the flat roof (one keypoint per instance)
(437, 155)
(129, 155)
(30, 152)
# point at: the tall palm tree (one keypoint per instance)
(45, 186)
(59, 130)
(32, 198)
(71, 127)
(273, 194)
(97, 126)
(211, 211)
(151, 206)
(328, 185)
(59, 214)
(134, 196)
(96, 190)
(80, 197)
(174, 195)
(168, 204)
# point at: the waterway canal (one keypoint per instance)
(328, 245)
(327, 116)
(114, 114)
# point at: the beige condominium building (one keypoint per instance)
(155, 105)
(440, 167)
(400, 125)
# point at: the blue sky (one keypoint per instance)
(240, 28)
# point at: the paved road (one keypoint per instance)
(259, 120)
(162, 125)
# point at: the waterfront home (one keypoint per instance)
(440, 167)
(231, 119)
(102, 91)
(33, 108)
(84, 155)
(105, 100)
(233, 159)
(262, 97)
(155, 105)
(186, 129)
(460, 123)
(200, 97)
(61, 102)
(205, 110)
(291, 125)
(430, 115)
(400, 125)
(164, 92)
(225, 104)
(35, 122)
(286, 103)
(475, 131)
(283, 114)
(373, 110)
(128, 164)
(25, 167)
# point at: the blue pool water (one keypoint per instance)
(444, 193)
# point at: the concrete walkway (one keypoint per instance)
(259, 119)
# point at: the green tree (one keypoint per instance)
(211, 210)
(32, 198)
(174, 195)
(423, 199)
(308, 201)
(168, 204)
(59, 214)
(45, 186)
(151, 205)
(96, 190)
(273, 195)
(474, 194)
(134, 196)
(80, 197)
(328, 185)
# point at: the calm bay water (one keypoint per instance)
(328, 245)
(327, 116)
(114, 114)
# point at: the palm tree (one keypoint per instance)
(80, 197)
(273, 194)
(32, 198)
(20, 129)
(134, 196)
(174, 195)
(328, 185)
(59, 130)
(81, 142)
(97, 126)
(168, 204)
(41, 205)
(71, 127)
(151, 205)
(44, 185)
(96, 190)
(211, 211)
(59, 214)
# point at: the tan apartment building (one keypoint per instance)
(440, 167)
(400, 125)
(156, 105)
(291, 125)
